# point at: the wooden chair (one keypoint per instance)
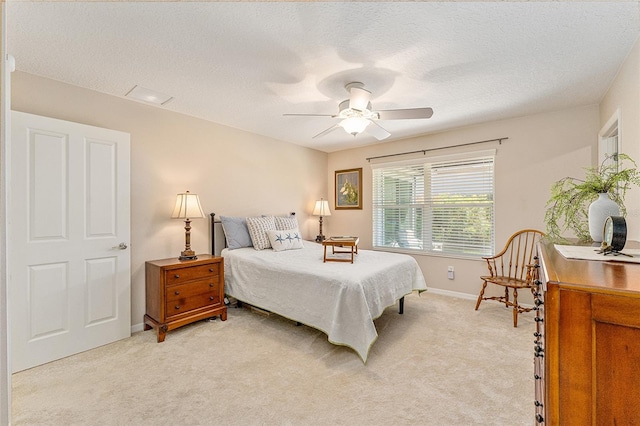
(513, 268)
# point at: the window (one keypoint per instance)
(440, 205)
(608, 142)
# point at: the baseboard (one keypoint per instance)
(452, 293)
(137, 327)
(467, 296)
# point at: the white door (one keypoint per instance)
(68, 232)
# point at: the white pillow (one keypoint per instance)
(288, 239)
(283, 223)
(258, 227)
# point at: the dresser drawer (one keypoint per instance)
(181, 275)
(177, 307)
(195, 288)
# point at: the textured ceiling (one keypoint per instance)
(245, 64)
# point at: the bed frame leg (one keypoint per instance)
(401, 305)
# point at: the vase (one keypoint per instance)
(599, 210)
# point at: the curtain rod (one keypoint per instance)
(424, 151)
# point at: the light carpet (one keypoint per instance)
(441, 363)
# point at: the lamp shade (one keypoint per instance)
(322, 208)
(187, 207)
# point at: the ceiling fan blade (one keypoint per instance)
(311, 115)
(359, 98)
(324, 132)
(377, 131)
(402, 114)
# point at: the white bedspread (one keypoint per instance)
(340, 299)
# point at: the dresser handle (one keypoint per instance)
(177, 293)
(176, 276)
(211, 297)
(210, 269)
(177, 306)
(210, 284)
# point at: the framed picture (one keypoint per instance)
(348, 189)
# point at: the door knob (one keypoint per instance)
(121, 246)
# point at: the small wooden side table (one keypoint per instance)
(351, 242)
(180, 292)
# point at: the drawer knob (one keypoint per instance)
(177, 306)
(177, 293)
(210, 284)
(210, 269)
(176, 276)
(211, 297)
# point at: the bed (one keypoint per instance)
(340, 299)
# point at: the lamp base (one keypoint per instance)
(320, 238)
(188, 255)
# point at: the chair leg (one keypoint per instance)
(515, 307)
(484, 285)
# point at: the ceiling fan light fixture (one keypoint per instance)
(354, 125)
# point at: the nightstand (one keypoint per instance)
(180, 292)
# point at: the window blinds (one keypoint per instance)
(442, 207)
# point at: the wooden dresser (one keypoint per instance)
(181, 292)
(587, 351)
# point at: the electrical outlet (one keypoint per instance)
(450, 272)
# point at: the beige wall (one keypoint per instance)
(624, 95)
(540, 150)
(233, 172)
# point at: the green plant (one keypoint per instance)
(570, 197)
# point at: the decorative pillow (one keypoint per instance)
(258, 227)
(284, 223)
(288, 239)
(236, 232)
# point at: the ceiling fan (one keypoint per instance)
(357, 114)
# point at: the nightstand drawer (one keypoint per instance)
(191, 289)
(177, 276)
(187, 304)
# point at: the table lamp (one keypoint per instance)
(321, 209)
(187, 207)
